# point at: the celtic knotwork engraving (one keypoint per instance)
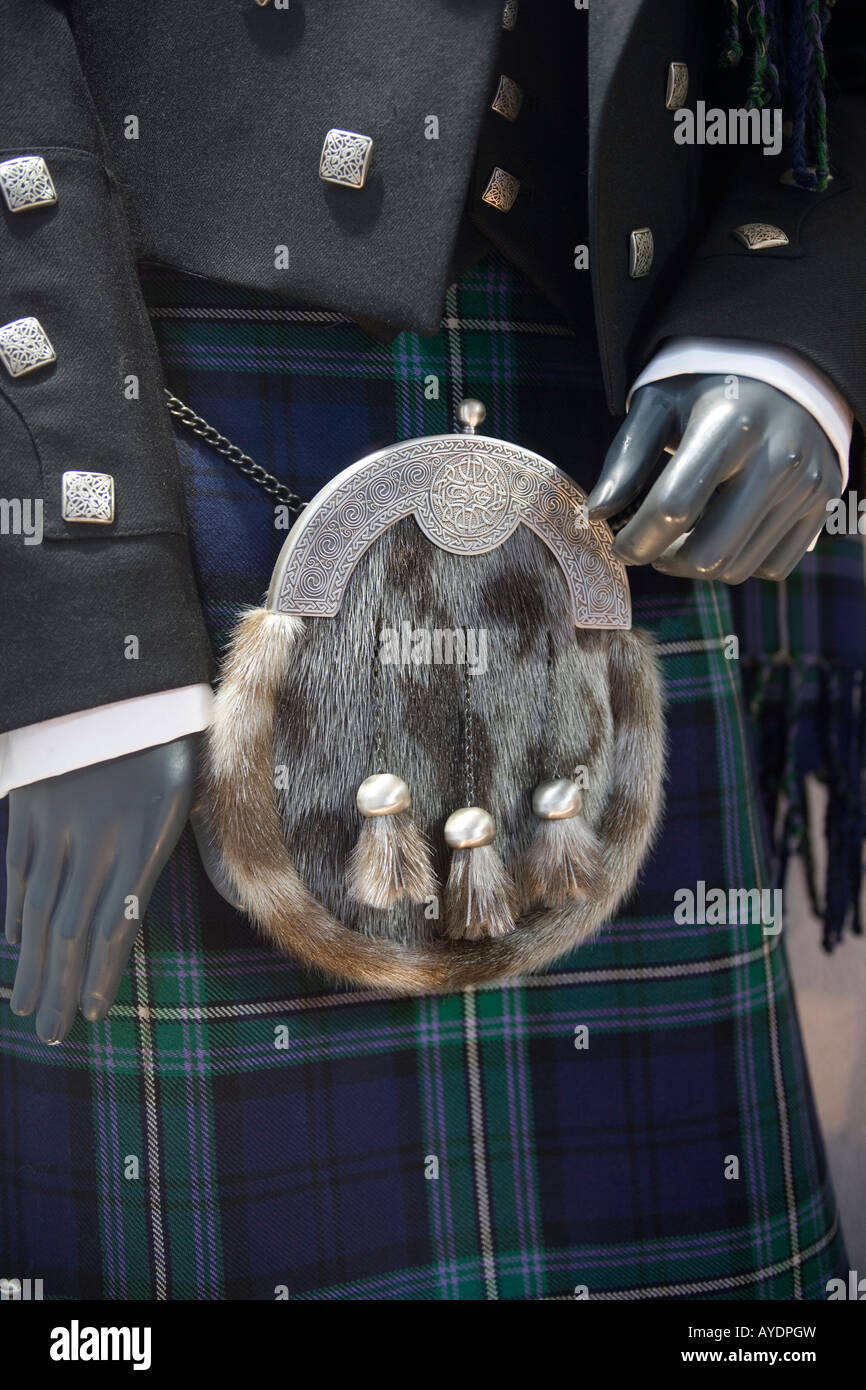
(678, 86)
(467, 494)
(26, 183)
(757, 236)
(345, 158)
(24, 346)
(508, 99)
(642, 251)
(502, 190)
(88, 496)
(509, 14)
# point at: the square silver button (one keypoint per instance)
(678, 86)
(502, 190)
(24, 346)
(346, 158)
(758, 236)
(88, 497)
(26, 183)
(508, 99)
(641, 249)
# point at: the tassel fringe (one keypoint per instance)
(788, 69)
(809, 719)
(391, 858)
(563, 862)
(479, 896)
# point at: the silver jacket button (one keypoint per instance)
(346, 158)
(502, 190)
(26, 183)
(678, 86)
(88, 497)
(757, 236)
(25, 346)
(640, 252)
(508, 99)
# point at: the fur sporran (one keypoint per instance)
(444, 683)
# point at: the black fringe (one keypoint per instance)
(809, 719)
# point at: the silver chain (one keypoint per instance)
(242, 462)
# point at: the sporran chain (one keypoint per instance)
(280, 492)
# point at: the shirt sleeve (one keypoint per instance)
(71, 741)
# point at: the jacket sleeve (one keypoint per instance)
(806, 295)
(93, 610)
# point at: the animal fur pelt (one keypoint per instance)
(391, 858)
(479, 895)
(564, 861)
(299, 697)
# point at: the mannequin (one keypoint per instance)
(84, 843)
(773, 461)
(526, 178)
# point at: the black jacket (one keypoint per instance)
(228, 102)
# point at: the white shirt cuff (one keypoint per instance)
(787, 371)
(55, 746)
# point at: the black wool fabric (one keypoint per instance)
(233, 103)
(188, 133)
(546, 148)
(69, 603)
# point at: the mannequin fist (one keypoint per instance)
(82, 849)
(744, 493)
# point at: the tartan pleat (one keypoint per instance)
(239, 1129)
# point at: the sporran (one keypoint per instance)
(437, 757)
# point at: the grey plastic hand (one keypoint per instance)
(212, 863)
(744, 493)
(82, 848)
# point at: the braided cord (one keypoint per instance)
(816, 20)
(788, 69)
(732, 41)
(764, 86)
(800, 82)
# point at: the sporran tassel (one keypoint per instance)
(391, 857)
(479, 895)
(564, 859)
(480, 898)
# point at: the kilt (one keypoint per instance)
(803, 653)
(239, 1129)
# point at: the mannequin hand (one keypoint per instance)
(80, 846)
(744, 494)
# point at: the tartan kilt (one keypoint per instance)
(438, 1147)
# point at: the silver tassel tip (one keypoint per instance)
(558, 799)
(383, 794)
(469, 828)
(471, 415)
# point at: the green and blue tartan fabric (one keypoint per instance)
(237, 1129)
(803, 652)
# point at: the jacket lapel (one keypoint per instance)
(610, 29)
(610, 26)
